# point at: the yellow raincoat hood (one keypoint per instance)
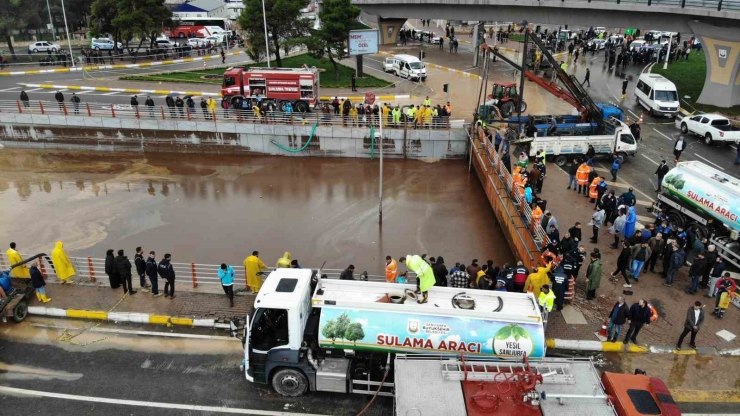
(284, 261)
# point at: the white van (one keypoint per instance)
(658, 95)
(405, 66)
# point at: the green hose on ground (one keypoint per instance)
(302, 148)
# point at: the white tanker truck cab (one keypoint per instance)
(312, 333)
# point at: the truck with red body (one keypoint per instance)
(273, 87)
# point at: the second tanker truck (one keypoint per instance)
(701, 198)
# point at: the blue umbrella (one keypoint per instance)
(629, 225)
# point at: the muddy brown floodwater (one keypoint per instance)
(213, 209)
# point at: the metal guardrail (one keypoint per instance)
(718, 5)
(197, 113)
(93, 269)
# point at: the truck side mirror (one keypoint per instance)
(234, 328)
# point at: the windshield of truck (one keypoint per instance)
(229, 81)
(666, 95)
(415, 65)
(627, 138)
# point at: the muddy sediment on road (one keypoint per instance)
(219, 208)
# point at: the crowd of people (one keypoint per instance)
(364, 114)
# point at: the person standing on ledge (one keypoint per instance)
(226, 274)
(252, 266)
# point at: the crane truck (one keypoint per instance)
(462, 353)
(701, 198)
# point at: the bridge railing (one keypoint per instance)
(219, 115)
(718, 5)
(92, 269)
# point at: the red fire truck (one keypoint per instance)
(274, 87)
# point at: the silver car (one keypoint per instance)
(43, 46)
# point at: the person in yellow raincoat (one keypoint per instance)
(284, 262)
(253, 265)
(62, 264)
(14, 257)
(424, 274)
(386, 110)
(536, 280)
(391, 269)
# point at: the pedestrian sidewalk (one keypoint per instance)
(670, 302)
(186, 304)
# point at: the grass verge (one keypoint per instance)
(689, 79)
(328, 79)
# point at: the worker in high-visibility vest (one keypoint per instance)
(582, 178)
(593, 191)
(396, 116)
(428, 102)
(536, 215)
(546, 298)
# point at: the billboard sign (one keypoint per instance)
(421, 333)
(363, 42)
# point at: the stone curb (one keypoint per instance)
(603, 346)
(120, 66)
(132, 317)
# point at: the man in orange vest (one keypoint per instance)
(536, 215)
(593, 192)
(582, 177)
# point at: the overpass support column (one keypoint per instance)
(389, 29)
(721, 47)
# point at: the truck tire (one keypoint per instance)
(523, 105)
(708, 139)
(301, 107)
(561, 160)
(506, 109)
(675, 219)
(289, 382)
(700, 230)
(20, 311)
(684, 128)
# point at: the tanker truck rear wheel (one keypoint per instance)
(699, 230)
(289, 382)
(561, 160)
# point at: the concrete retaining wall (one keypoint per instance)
(109, 134)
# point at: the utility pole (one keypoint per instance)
(380, 192)
(51, 23)
(267, 43)
(521, 78)
(69, 40)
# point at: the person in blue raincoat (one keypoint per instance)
(629, 225)
(424, 274)
(226, 274)
(528, 194)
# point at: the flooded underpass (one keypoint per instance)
(216, 208)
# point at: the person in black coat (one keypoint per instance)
(110, 269)
(617, 318)
(624, 262)
(639, 315)
(124, 270)
(167, 272)
(575, 232)
(151, 272)
(141, 269)
(696, 271)
(38, 282)
(440, 272)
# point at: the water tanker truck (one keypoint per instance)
(471, 353)
(309, 333)
(701, 198)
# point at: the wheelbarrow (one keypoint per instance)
(16, 303)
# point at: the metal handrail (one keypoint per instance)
(719, 5)
(93, 269)
(220, 115)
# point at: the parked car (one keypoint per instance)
(43, 46)
(164, 44)
(215, 40)
(637, 44)
(600, 44)
(712, 127)
(599, 30)
(195, 42)
(104, 44)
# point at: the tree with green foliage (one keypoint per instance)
(284, 26)
(126, 19)
(337, 17)
(329, 330)
(15, 15)
(354, 332)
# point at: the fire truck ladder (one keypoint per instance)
(571, 83)
(552, 373)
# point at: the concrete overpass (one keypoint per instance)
(715, 22)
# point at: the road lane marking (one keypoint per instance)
(110, 93)
(666, 137)
(139, 403)
(656, 163)
(707, 160)
(636, 116)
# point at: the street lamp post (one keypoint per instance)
(69, 40)
(670, 41)
(51, 22)
(267, 43)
